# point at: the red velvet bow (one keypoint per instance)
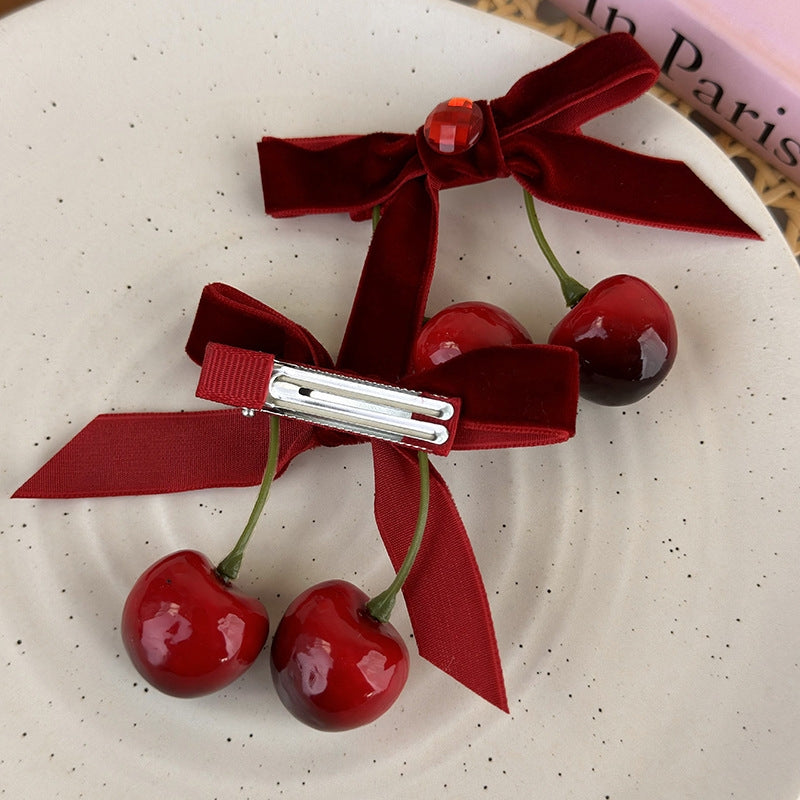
(533, 134)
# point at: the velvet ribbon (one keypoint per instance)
(521, 396)
(531, 134)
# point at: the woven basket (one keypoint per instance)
(780, 195)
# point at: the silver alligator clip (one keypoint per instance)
(358, 406)
(365, 408)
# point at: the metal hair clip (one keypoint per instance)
(358, 406)
(256, 382)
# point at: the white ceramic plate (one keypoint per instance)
(642, 576)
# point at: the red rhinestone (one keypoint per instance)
(454, 126)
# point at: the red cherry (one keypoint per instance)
(187, 631)
(625, 336)
(335, 667)
(462, 327)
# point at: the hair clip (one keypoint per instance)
(255, 381)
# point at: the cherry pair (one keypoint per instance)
(189, 632)
(336, 660)
(622, 329)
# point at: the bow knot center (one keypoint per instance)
(453, 126)
(459, 144)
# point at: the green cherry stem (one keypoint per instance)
(380, 607)
(572, 290)
(228, 568)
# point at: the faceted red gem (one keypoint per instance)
(453, 126)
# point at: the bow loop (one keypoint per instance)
(589, 81)
(228, 316)
(335, 173)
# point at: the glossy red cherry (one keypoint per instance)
(186, 630)
(625, 336)
(462, 327)
(336, 667)
(622, 329)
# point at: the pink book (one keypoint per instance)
(736, 61)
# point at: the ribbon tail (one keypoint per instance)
(585, 174)
(158, 453)
(393, 290)
(444, 592)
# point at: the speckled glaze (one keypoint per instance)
(642, 577)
